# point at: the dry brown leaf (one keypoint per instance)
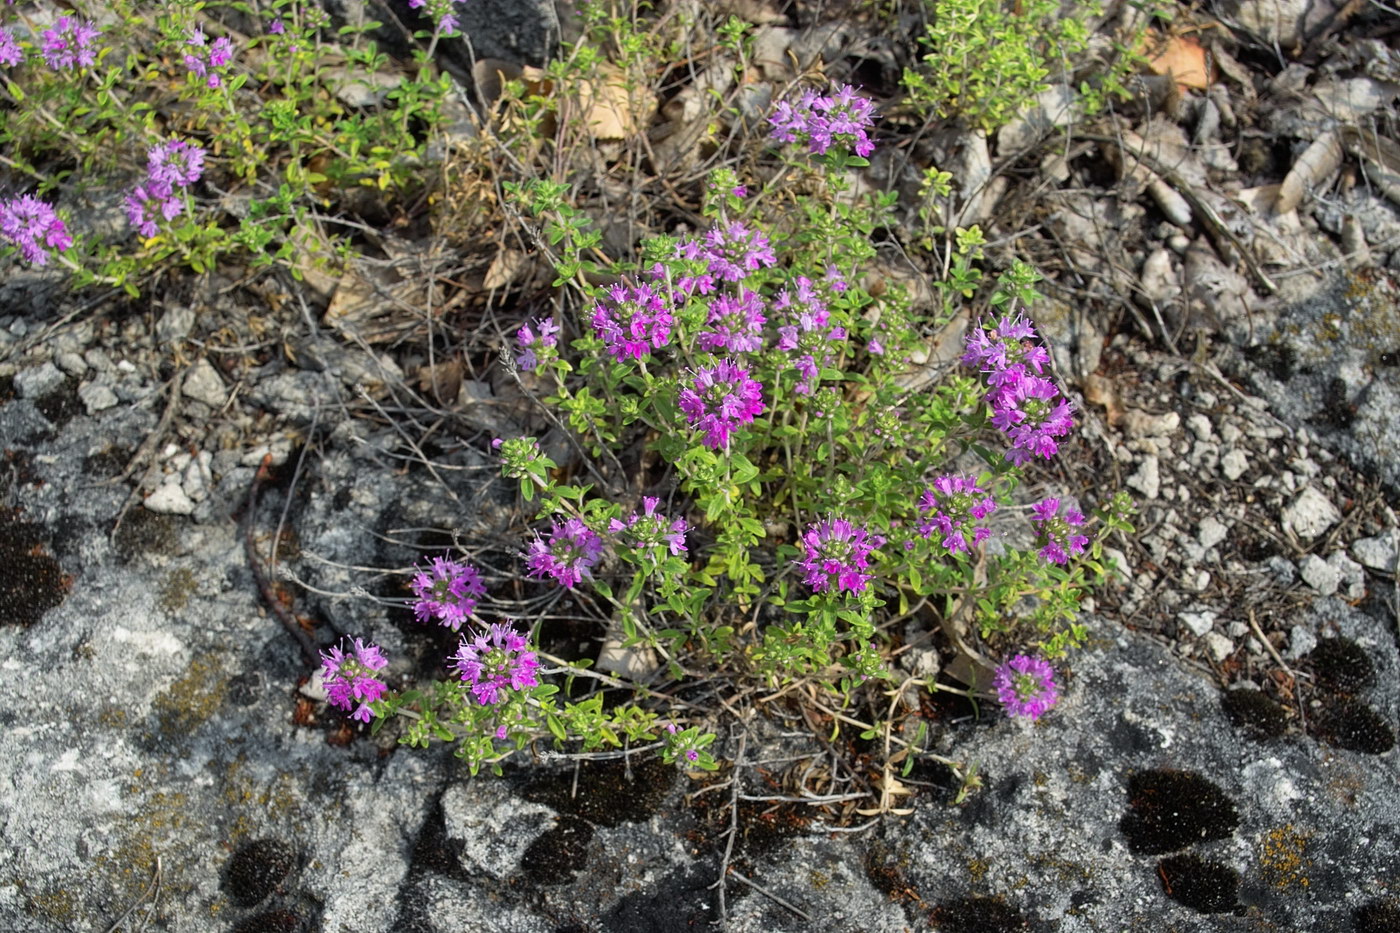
(1099, 390)
(1183, 58)
(610, 109)
(1314, 166)
(442, 381)
(490, 75)
(504, 269)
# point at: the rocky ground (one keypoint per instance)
(1223, 758)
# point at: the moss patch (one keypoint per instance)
(189, 702)
(1206, 886)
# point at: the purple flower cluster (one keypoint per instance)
(444, 11)
(1026, 686)
(349, 678)
(821, 121)
(836, 554)
(169, 166)
(69, 44)
(204, 60)
(534, 347)
(633, 320)
(955, 508)
(735, 250)
(494, 661)
(736, 323)
(31, 225)
(1026, 407)
(10, 52)
(446, 591)
(649, 531)
(569, 555)
(809, 336)
(1061, 540)
(721, 398)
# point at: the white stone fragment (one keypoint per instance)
(1148, 478)
(1219, 646)
(1200, 426)
(1353, 586)
(97, 396)
(1198, 622)
(203, 384)
(1319, 574)
(1211, 532)
(1234, 463)
(170, 499)
(1310, 514)
(1141, 424)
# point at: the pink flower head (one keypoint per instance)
(649, 531)
(148, 205)
(10, 52)
(735, 250)
(1057, 531)
(955, 508)
(534, 346)
(721, 398)
(495, 661)
(203, 60)
(569, 555)
(69, 44)
(174, 164)
(349, 678)
(841, 119)
(632, 320)
(1032, 414)
(736, 324)
(808, 334)
(447, 591)
(32, 225)
(1026, 686)
(836, 555)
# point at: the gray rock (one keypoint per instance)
(97, 396)
(1351, 574)
(72, 363)
(1379, 552)
(38, 381)
(203, 384)
(1319, 574)
(1310, 514)
(176, 323)
(1141, 424)
(1301, 640)
(1282, 568)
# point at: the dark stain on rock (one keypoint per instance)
(1170, 810)
(256, 870)
(1354, 726)
(145, 532)
(434, 851)
(1341, 665)
(61, 404)
(978, 915)
(557, 854)
(1206, 886)
(1254, 713)
(1380, 916)
(270, 921)
(608, 794)
(31, 581)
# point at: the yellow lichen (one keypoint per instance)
(1283, 859)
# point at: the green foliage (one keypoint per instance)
(986, 60)
(295, 123)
